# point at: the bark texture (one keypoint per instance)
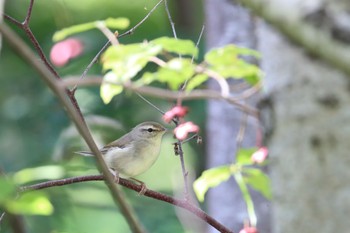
(306, 118)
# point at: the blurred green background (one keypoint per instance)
(35, 131)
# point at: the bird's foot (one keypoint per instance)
(143, 186)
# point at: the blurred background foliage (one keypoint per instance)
(36, 133)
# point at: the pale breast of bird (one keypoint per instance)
(125, 161)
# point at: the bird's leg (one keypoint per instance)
(143, 186)
(115, 175)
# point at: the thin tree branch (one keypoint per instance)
(198, 40)
(149, 102)
(29, 13)
(172, 24)
(55, 85)
(13, 20)
(172, 95)
(130, 185)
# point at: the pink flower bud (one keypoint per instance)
(182, 130)
(177, 111)
(65, 50)
(260, 155)
(249, 230)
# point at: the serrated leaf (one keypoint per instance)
(196, 81)
(244, 155)
(127, 60)
(33, 203)
(116, 23)
(258, 180)
(179, 46)
(210, 179)
(175, 72)
(108, 90)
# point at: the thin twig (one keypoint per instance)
(149, 102)
(183, 168)
(29, 13)
(170, 19)
(198, 40)
(132, 30)
(170, 95)
(190, 138)
(129, 32)
(241, 132)
(130, 185)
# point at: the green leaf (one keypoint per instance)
(8, 190)
(196, 81)
(116, 23)
(258, 180)
(173, 45)
(127, 60)
(124, 63)
(175, 72)
(108, 90)
(243, 156)
(33, 203)
(209, 179)
(247, 197)
(227, 63)
(38, 173)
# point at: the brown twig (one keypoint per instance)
(172, 95)
(130, 185)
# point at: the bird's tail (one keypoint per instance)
(85, 153)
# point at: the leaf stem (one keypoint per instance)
(247, 198)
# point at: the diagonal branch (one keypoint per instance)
(61, 92)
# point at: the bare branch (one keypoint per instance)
(29, 14)
(172, 24)
(130, 185)
(172, 95)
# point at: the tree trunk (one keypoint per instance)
(306, 118)
(229, 23)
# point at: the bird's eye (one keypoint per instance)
(150, 130)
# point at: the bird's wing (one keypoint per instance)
(121, 143)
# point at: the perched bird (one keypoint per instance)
(135, 152)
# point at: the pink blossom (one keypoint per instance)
(249, 230)
(177, 111)
(260, 155)
(65, 50)
(182, 130)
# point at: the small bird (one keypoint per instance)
(135, 152)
